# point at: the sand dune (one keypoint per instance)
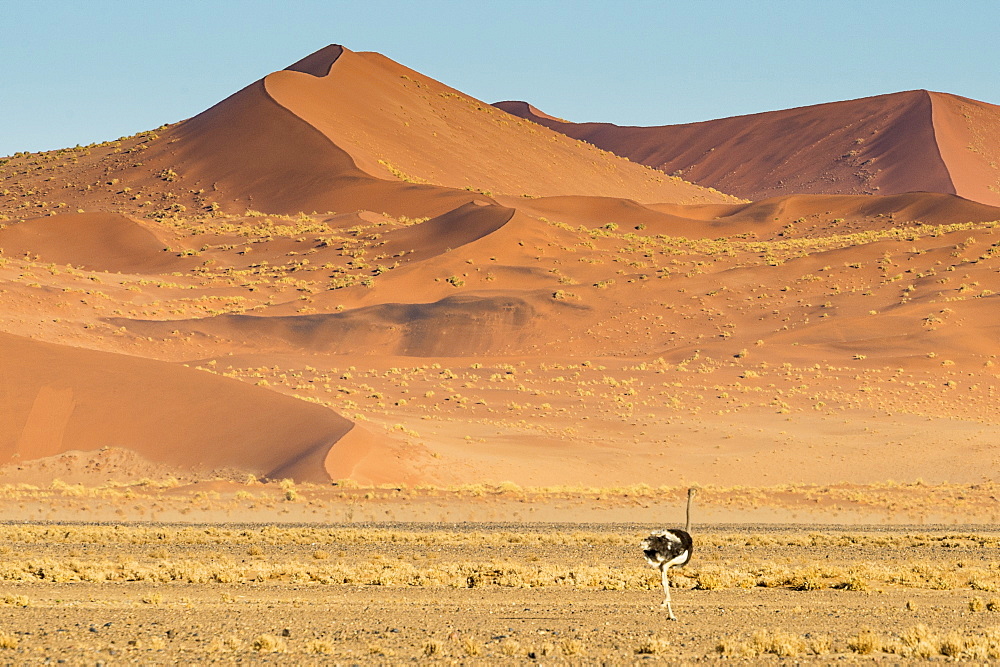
(809, 214)
(397, 124)
(469, 324)
(448, 231)
(96, 241)
(888, 144)
(338, 132)
(57, 398)
(495, 301)
(968, 136)
(251, 151)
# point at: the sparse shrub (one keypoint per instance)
(433, 648)
(864, 643)
(777, 642)
(977, 604)
(511, 647)
(544, 650)
(269, 644)
(918, 641)
(319, 646)
(853, 583)
(713, 578)
(728, 646)
(471, 646)
(7, 640)
(820, 644)
(510, 487)
(571, 647)
(952, 645)
(652, 646)
(806, 581)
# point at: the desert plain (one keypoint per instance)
(355, 368)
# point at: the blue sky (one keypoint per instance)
(76, 72)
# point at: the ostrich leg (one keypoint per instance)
(666, 593)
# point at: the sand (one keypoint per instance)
(349, 270)
(888, 144)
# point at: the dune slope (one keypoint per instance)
(400, 125)
(887, 144)
(57, 398)
(968, 136)
(97, 241)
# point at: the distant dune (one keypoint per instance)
(340, 130)
(888, 144)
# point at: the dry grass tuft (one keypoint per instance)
(511, 648)
(775, 642)
(227, 643)
(865, 642)
(269, 644)
(433, 648)
(471, 646)
(16, 600)
(571, 647)
(923, 643)
(652, 646)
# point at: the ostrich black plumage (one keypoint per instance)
(669, 548)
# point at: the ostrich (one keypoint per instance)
(669, 548)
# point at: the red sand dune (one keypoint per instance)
(902, 142)
(448, 231)
(812, 214)
(340, 130)
(96, 241)
(55, 398)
